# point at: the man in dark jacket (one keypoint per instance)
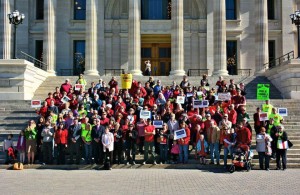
(97, 147)
(75, 141)
(131, 136)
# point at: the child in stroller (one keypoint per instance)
(241, 158)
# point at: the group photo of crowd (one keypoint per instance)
(166, 123)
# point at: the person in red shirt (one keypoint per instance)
(232, 115)
(104, 121)
(163, 145)
(61, 142)
(113, 84)
(43, 110)
(49, 99)
(149, 141)
(243, 137)
(66, 86)
(184, 143)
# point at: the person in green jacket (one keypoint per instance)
(30, 135)
(86, 136)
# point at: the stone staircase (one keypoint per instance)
(15, 114)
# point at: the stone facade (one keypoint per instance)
(113, 28)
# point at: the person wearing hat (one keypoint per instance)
(149, 141)
(131, 138)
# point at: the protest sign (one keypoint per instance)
(78, 87)
(178, 134)
(224, 96)
(180, 99)
(263, 91)
(145, 114)
(158, 123)
(263, 116)
(282, 111)
(36, 104)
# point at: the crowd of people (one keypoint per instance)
(102, 123)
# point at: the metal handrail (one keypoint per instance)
(199, 72)
(114, 71)
(242, 71)
(37, 63)
(279, 61)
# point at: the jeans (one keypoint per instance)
(214, 151)
(88, 152)
(262, 156)
(152, 150)
(281, 153)
(227, 150)
(163, 152)
(183, 153)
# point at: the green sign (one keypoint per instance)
(263, 91)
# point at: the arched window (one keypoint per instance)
(230, 9)
(156, 9)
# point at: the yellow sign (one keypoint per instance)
(126, 80)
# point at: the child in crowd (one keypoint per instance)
(229, 142)
(175, 151)
(7, 146)
(21, 146)
(201, 148)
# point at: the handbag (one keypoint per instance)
(282, 144)
(290, 144)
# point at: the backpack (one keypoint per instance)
(18, 166)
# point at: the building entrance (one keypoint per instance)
(157, 49)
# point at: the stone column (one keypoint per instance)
(220, 58)
(6, 29)
(101, 39)
(49, 45)
(261, 35)
(177, 37)
(91, 37)
(134, 37)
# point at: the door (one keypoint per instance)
(159, 55)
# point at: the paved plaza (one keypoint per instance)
(149, 181)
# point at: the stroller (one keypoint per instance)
(241, 158)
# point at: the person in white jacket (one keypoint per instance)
(263, 147)
(108, 145)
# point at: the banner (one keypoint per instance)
(180, 99)
(263, 116)
(158, 124)
(126, 81)
(145, 114)
(178, 134)
(36, 104)
(78, 87)
(65, 99)
(282, 111)
(200, 103)
(224, 96)
(263, 92)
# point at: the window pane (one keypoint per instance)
(272, 54)
(271, 10)
(146, 53)
(39, 50)
(232, 57)
(165, 52)
(79, 9)
(156, 9)
(79, 57)
(230, 9)
(39, 9)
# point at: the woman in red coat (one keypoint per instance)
(184, 143)
(61, 142)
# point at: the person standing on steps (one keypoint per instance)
(263, 147)
(147, 68)
(281, 140)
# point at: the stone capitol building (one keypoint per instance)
(217, 37)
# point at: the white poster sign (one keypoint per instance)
(178, 134)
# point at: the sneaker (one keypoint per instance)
(154, 163)
(144, 163)
(127, 163)
(161, 163)
(133, 163)
(267, 169)
(277, 168)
